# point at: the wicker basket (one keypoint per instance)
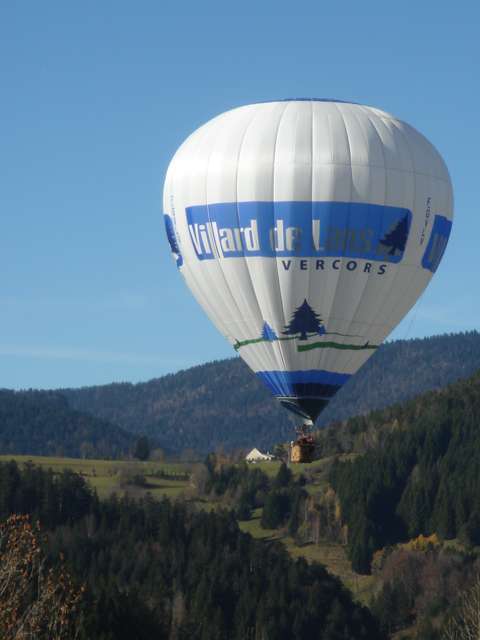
(302, 450)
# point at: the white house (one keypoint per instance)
(257, 456)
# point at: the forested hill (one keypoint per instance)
(222, 403)
(42, 423)
(219, 403)
(423, 477)
(154, 569)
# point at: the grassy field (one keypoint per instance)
(271, 468)
(333, 556)
(108, 476)
(253, 527)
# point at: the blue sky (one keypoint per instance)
(97, 96)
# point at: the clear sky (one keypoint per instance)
(95, 97)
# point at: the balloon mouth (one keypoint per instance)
(307, 408)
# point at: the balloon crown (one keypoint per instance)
(316, 100)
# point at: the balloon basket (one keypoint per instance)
(302, 450)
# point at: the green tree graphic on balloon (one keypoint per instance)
(305, 321)
(396, 238)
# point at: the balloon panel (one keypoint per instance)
(307, 230)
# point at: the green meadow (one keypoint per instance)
(333, 556)
(112, 476)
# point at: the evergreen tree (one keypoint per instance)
(396, 238)
(275, 510)
(361, 545)
(142, 448)
(294, 519)
(283, 478)
(335, 626)
(305, 321)
(243, 510)
(470, 531)
(444, 518)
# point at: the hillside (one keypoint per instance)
(159, 569)
(219, 403)
(223, 404)
(42, 423)
(422, 477)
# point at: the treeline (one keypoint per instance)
(223, 404)
(43, 423)
(161, 570)
(54, 499)
(424, 478)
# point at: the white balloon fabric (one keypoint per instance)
(307, 229)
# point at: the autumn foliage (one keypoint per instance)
(36, 601)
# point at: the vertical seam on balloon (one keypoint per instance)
(311, 202)
(374, 128)
(397, 274)
(433, 152)
(342, 271)
(418, 268)
(273, 203)
(331, 164)
(369, 119)
(351, 358)
(412, 160)
(238, 218)
(354, 356)
(399, 267)
(406, 294)
(210, 280)
(217, 260)
(207, 307)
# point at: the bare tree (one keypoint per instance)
(36, 602)
(465, 623)
(198, 479)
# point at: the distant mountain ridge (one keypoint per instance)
(43, 423)
(223, 404)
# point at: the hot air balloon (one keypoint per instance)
(307, 229)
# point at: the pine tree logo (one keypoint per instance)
(395, 240)
(268, 333)
(305, 321)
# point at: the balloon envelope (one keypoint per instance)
(307, 229)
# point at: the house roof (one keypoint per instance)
(255, 453)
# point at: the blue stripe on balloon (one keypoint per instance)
(437, 244)
(311, 383)
(301, 229)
